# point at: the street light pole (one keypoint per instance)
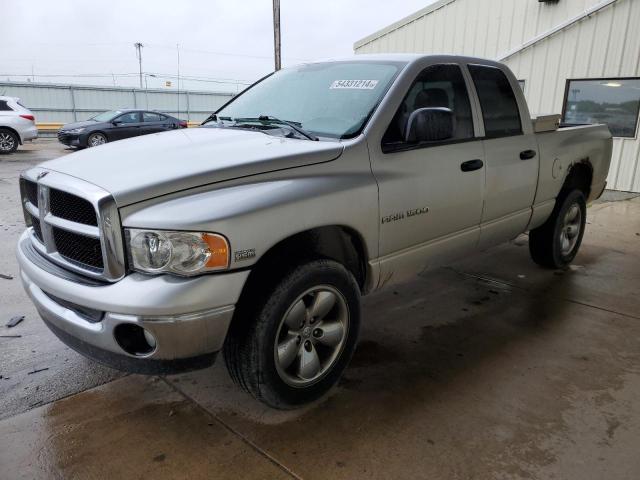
(276, 33)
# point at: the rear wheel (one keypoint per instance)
(556, 243)
(8, 141)
(96, 139)
(294, 345)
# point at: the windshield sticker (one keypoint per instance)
(354, 84)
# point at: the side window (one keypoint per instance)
(499, 106)
(131, 117)
(435, 86)
(152, 117)
(4, 107)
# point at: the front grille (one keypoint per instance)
(70, 207)
(31, 191)
(35, 223)
(79, 249)
(64, 138)
(65, 226)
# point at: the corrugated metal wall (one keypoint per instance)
(68, 103)
(605, 44)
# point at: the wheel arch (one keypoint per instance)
(579, 176)
(340, 243)
(14, 131)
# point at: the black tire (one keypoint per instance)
(251, 347)
(546, 243)
(9, 141)
(101, 137)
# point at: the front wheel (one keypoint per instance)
(556, 243)
(299, 340)
(96, 139)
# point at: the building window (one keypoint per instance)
(614, 101)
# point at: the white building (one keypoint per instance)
(580, 58)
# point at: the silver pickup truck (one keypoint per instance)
(257, 233)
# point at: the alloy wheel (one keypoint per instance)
(311, 336)
(97, 139)
(570, 231)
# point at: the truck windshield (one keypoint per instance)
(333, 99)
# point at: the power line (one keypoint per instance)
(132, 74)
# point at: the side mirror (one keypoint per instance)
(430, 125)
(115, 123)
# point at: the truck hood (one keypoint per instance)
(141, 168)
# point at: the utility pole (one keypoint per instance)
(178, 52)
(139, 46)
(276, 33)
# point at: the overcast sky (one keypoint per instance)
(219, 39)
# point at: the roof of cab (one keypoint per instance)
(404, 58)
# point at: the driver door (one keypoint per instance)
(430, 200)
(126, 125)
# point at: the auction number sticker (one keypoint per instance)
(354, 84)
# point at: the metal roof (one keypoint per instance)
(400, 23)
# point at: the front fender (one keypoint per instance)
(256, 216)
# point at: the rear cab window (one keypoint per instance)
(500, 110)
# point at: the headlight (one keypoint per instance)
(182, 253)
(75, 130)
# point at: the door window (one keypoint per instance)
(4, 107)
(436, 86)
(152, 117)
(499, 105)
(131, 117)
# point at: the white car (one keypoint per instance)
(17, 124)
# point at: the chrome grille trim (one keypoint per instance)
(109, 229)
(32, 209)
(81, 228)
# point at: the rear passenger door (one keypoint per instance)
(154, 122)
(511, 157)
(430, 202)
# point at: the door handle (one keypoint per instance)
(471, 165)
(527, 154)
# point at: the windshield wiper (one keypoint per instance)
(270, 119)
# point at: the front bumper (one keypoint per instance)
(71, 140)
(187, 318)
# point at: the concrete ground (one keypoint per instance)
(489, 368)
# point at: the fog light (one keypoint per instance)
(134, 339)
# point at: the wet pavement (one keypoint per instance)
(489, 368)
